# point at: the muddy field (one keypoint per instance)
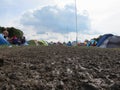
(59, 68)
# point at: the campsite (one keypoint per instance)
(59, 45)
(59, 68)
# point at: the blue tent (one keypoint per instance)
(109, 41)
(3, 41)
(103, 38)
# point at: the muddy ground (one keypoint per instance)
(59, 68)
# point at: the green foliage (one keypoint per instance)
(12, 31)
(1, 29)
(15, 32)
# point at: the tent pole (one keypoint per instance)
(76, 22)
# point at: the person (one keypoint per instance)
(14, 40)
(23, 40)
(5, 33)
(4, 38)
(69, 43)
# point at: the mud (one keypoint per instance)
(59, 68)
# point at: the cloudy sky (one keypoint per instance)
(54, 20)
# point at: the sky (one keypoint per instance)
(55, 20)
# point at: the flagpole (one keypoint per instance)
(76, 22)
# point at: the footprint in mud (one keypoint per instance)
(1, 62)
(87, 86)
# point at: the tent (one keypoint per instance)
(33, 42)
(3, 41)
(109, 41)
(43, 43)
(92, 43)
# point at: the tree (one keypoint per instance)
(1, 29)
(13, 32)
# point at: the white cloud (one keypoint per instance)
(103, 15)
(54, 20)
